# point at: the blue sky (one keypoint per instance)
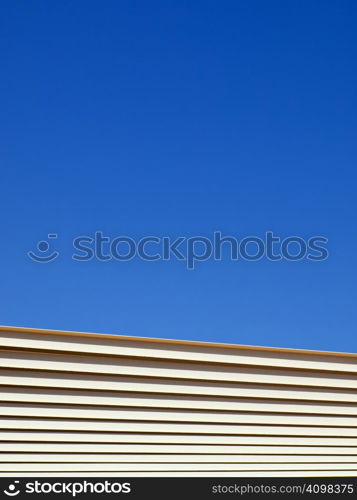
(180, 118)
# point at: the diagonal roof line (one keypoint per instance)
(41, 331)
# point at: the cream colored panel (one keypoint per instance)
(161, 350)
(155, 408)
(149, 427)
(82, 412)
(302, 448)
(120, 426)
(44, 439)
(173, 467)
(102, 398)
(321, 473)
(188, 459)
(173, 370)
(157, 386)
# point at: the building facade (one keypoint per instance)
(91, 405)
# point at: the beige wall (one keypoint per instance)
(87, 404)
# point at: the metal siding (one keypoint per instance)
(88, 404)
(101, 398)
(186, 459)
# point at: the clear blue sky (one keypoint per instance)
(180, 118)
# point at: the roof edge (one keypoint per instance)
(41, 331)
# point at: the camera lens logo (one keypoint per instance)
(43, 247)
(12, 490)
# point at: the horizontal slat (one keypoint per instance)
(198, 429)
(172, 467)
(52, 396)
(245, 474)
(90, 412)
(35, 378)
(188, 459)
(325, 449)
(134, 367)
(148, 349)
(45, 437)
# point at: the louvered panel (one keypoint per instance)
(171, 458)
(110, 467)
(302, 448)
(171, 350)
(156, 386)
(54, 425)
(102, 404)
(101, 398)
(23, 442)
(83, 412)
(192, 371)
